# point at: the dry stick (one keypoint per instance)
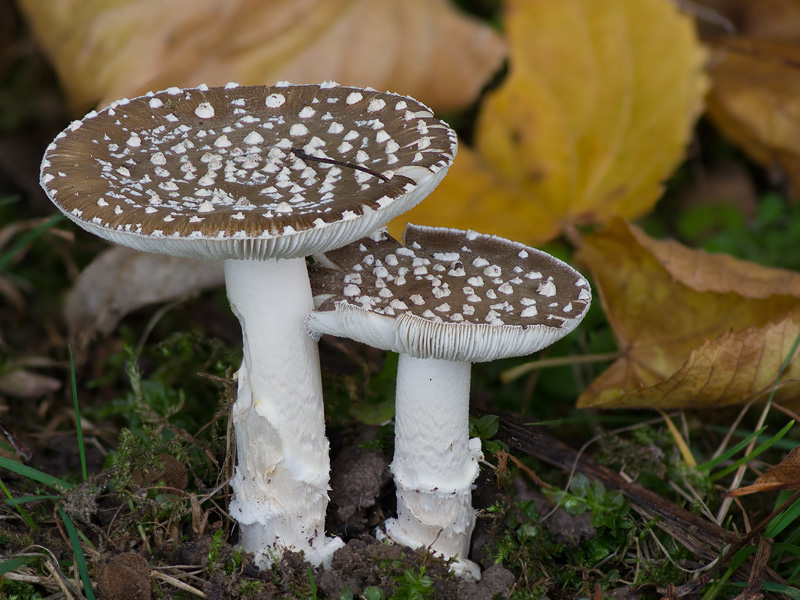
(513, 373)
(301, 154)
(726, 440)
(756, 581)
(788, 412)
(178, 584)
(707, 15)
(702, 537)
(737, 479)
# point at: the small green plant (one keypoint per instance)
(14, 590)
(608, 509)
(524, 538)
(250, 586)
(373, 593)
(486, 428)
(413, 585)
(529, 548)
(217, 542)
(609, 513)
(234, 563)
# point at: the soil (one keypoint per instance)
(364, 488)
(177, 557)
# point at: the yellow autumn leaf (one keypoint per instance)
(104, 50)
(594, 115)
(468, 192)
(688, 340)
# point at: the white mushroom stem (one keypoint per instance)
(435, 463)
(281, 481)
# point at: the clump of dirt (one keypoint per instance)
(124, 576)
(366, 562)
(359, 477)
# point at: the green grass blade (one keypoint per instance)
(758, 450)
(736, 561)
(34, 474)
(80, 559)
(731, 451)
(795, 576)
(81, 449)
(12, 564)
(788, 590)
(26, 499)
(783, 520)
(22, 512)
(26, 239)
(785, 445)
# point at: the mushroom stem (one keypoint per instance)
(435, 462)
(281, 481)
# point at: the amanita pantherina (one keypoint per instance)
(259, 177)
(443, 300)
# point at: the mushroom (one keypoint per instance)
(259, 177)
(443, 300)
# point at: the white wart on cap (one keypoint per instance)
(255, 172)
(448, 294)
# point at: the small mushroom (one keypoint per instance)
(259, 177)
(443, 300)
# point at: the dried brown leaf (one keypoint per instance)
(27, 384)
(107, 50)
(121, 280)
(783, 476)
(729, 369)
(755, 101)
(695, 329)
(720, 273)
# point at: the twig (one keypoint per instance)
(737, 479)
(301, 154)
(702, 537)
(557, 361)
(178, 584)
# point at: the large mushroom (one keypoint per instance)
(443, 300)
(259, 177)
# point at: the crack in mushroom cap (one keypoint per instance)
(247, 168)
(447, 294)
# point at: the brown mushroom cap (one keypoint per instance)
(457, 295)
(255, 172)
